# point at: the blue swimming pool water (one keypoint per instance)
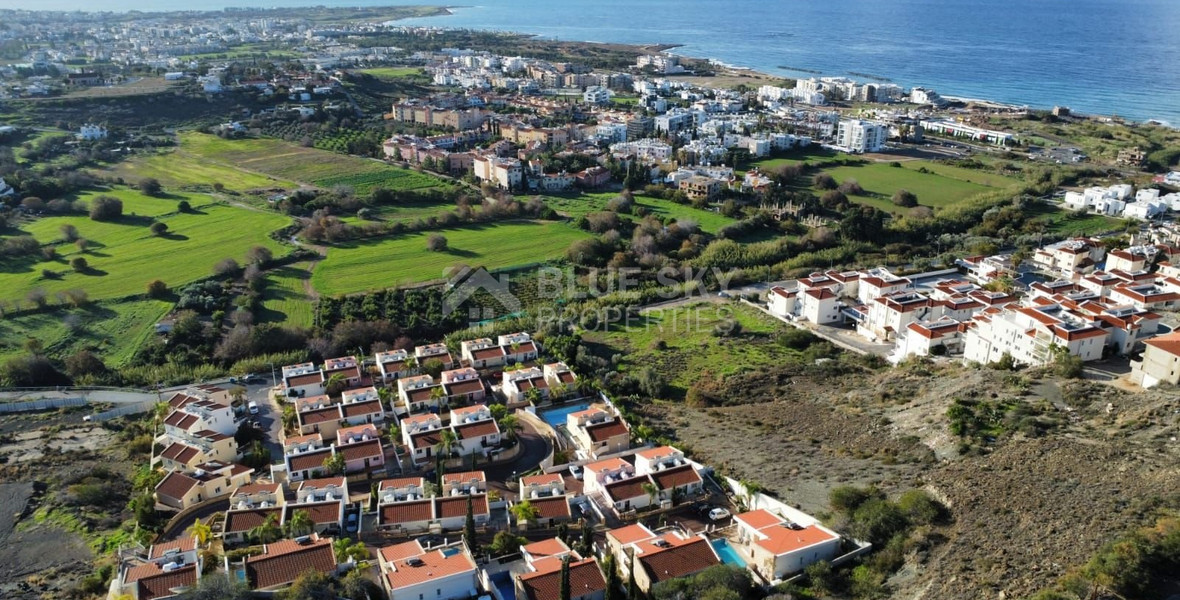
(728, 554)
(555, 417)
(449, 552)
(503, 583)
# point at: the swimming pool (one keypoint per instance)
(728, 554)
(504, 585)
(555, 417)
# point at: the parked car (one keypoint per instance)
(350, 523)
(576, 471)
(718, 514)
(253, 406)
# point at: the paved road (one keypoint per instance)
(536, 448)
(203, 513)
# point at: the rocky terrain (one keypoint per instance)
(1061, 468)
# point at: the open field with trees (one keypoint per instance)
(291, 162)
(180, 168)
(880, 181)
(285, 299)
(388, 262)
(394, 72)
(112, 329)
(122, 255)
(581, 204)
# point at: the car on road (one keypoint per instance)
(576, 471)
(350, 523)
(718, 514)
(253, 407)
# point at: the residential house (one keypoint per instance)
(475, 430)
(1029, 334)
(239, 522)
(257, 495)
(463, 386)
(420, 393)
(483, 353)
(326, 516)
(164, 572)
(518, 384)
(434, 352)
(1160, 363)
(410, 572)
(306, 465)
(465, 483)
(542, 579)
(775, 547)
(668, 555)
(560, 378)
(940, 336)
(346, 369)
(182, 490)
(1070, 259)
(395, 364)
(598, 431)
(303, 380)
(404, 489)
(282, 562)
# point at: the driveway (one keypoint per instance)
(536, 448)
(206, 511)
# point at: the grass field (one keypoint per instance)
(394, 72)
(811, 154)
(383, 263)
(291, 162)
(285, 300)
(936, 190)
(581, 204)
(113, 329)
(689, 348)
(125, 256)
(181, 169)
(1066, 223)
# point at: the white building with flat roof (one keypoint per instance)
(855, 135)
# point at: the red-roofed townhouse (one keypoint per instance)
(941, 336)
(434, 353)
(542, 580)
(783, 302)
(303, 380)
(182, 490)
(409, 572)
(519, 347)
(776, 548)
(598, 431)
(1160, 363)
(669, 555)
(395, 364)
(463, 386)
(282, 562)
(519, 385)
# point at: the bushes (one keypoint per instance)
(106, 208)
(157, 289)
(158, 228)
(150, 186)
(905, 198)
(436, 242)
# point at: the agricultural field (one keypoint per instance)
(1068, 223)
(576, 206)
(936, 190)
(284, 160)
(180, 169)
(113, 329)
(388, 262)
(394, 72)
(285, 299)
(680, 342)
(124, 256)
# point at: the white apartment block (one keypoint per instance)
(859, 136)
(505, 173)
(1029, 335)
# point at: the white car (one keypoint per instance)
(576, 471)
(718, 513)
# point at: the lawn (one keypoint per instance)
(811, 154)
(680, 342)
(292, 162)
(394, 72)
(390, 262)
(285, 299)
(125, 256)
(1067, 223)
(880, 181)
(113, 329)
(578, 205)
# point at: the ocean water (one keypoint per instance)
(1096, 56)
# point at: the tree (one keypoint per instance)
(158, 228)
(79, 264)
(651, 490)
(106, 208)
(525, 512)
(157, 289)
(69, 233)
(905, 198)
(920, 507)
(825, 181)
(469, 526)
(436, 242)
(268, 532)
(563, 591)
(150, 186)
(586, 542)
(820, 577)
(184, 206)
(299, 524)
(505, 543)
(612, 576)
(847, 498)
(447, 440)
(227, 267)
(346, 550)
(335, 384)
(633, 592)
(309, 585)
(510, 427)
(217, 586)
(83, 363)
(201, 531)
(259, 255)
(876, 521)
(335, 464)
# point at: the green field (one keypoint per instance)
(576, 206)
(113, 329)
(285, 299)
(880, 181)
(689, 348)
(389, 262)
(813, 154)
(291, 162)
(394, 72)
(181, 169)
(1067, 223)
(125, 256)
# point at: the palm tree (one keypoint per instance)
(268, 531)
(200, 531)
(652, 491)
(558, 390)
(447, 440)
(299, 524)
(335, 464)
(510, 427)
(525, 512)
(533, 395)
(335, 384)
(439, 395)
(385, 393)
(347, 549)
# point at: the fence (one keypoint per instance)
(129, 409)
(42, 404)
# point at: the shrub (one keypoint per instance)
(79, 264)
(184, 206)
(227, 267)
(905, 198)
(436, 242)
(157, 289)
(158, 228)
(825, 181)
(106, 208)
(150, 186)
(69, 233)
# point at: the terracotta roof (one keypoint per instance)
(308, 379)
(402, 550)
(585, 579)
(175, 485)
(184, 544)
(426, 439)
(680, 560)
(361, 450)
(402, 482)
(479, 428)
(676, 477)
(551, 478)
(601, 432)
(553, 507)
(321, 513)
(255, 488)
(321, 483)
(781, 540)
(161, 583)
(757, 519)
(180, 419)
(429, 566)
(609, 464)
(302, 439)
(408, 512)
(287, 559)
(464, 477)
(245, 520)
(464, 387)
(1168, 343)
(362, 408)
(319, 415)
(486, 353)
(180, 453)
(456, 506)
(310, 461)
(627, 488)
(547, 547)
(657, 452)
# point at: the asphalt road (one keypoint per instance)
(536, 448)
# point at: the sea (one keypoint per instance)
(1108, 57)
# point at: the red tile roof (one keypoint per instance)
(180, 419)
(175, 485)
(308, 379)
(162, 583)
(357, 409)
(585, 579)
(407, 512)
(287, 559)
(676, 477)
(180, 453)
(1168, 343)
(245, 520)
(361, 450)
(781, 540)
(319, 415)
(553, 507)
(309, 461)
(456, 506)
(429, 566)
(479, 428)
(680, 560)
(601, 432)
(321, 513)
(184, 544)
